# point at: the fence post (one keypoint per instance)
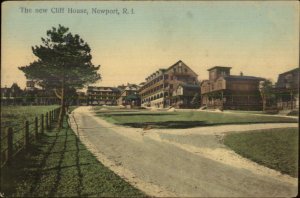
(50, 120)
(42, 123)
(56, 114)
(36, 128)
(9, 151)
(46, 119)
(26, 135)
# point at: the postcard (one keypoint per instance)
(149, 98)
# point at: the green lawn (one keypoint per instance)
(140, 119)
(60, 166)
(274, 148)
(16, 115)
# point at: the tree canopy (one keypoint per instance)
(63, 64)
(63, 60)
(267, 93)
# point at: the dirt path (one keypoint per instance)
(177, 162)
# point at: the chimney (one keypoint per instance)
(241, 74)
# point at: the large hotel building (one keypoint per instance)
(160, 87)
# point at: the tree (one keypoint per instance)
(63, 63)
(196, 100)
(267, 93)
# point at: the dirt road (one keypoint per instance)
(185, 162)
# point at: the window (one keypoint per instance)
(185, 69)
(180, 69)
(174, 70)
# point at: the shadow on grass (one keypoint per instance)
(59, 165)
(186, 124)
(136, 114)
(37, 162)
(37, 174)
(167, 124)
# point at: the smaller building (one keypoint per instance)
(186, 96)
(102, 95)
(287, 90)
(129, 95)
(226, 91)
(11, 95)
(33, 95)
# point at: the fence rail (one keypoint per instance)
(11, 146)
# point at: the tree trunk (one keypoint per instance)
(62, 109)
(264, 104)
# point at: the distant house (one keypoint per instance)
(157, 90)
(287, 90)
(102, 95)
(129, 95)
(226, 91)
(38, 96)
(12, 95)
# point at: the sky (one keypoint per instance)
(257, 38)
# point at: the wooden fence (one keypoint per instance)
(11, 146)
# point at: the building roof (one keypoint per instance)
(164, 70)
(219, 67)
(235, 77)
(288, 79)
(94, 88)
(291, 71)
(180, 61)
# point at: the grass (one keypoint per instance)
(16, 115)
(60, 166)
(274, 148)
(140, 119)
(241, 111)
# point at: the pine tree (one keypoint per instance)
(63, 63)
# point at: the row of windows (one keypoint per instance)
(160, 78)
(166, 78)
(102, 98)
(155, 89)
(157, 96)
(180, 69)
(103, 93)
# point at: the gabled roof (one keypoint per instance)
(289, 78)
(290, 71)
(180, 61)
